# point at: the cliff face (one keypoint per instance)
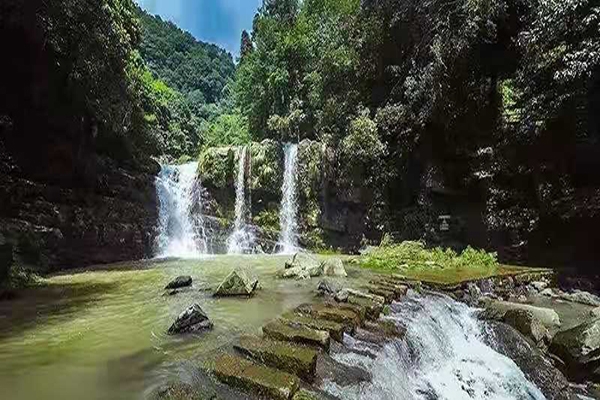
(64, 224)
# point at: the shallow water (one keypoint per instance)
(100, 334)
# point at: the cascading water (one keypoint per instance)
(288, 239)
(241, 239)
(181, 230)
(442, 356)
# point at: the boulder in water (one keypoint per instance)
(582, 298)
(191, 320)
(237, 283)
(547, 316)
(180, 282)
(327, 288)
(302, 266)
(334, 267)
(579, 348)
(525, 322)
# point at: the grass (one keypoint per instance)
(436, 265)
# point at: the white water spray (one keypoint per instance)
(288, 238)
(181, 230)
(443, 356)
(241, 239)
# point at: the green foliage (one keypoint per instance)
(226, 129)
(181, 61)
(395, 257)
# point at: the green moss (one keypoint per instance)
(295, 359)
(305, 395)
(386, 310)
(216, 167)
(250, 377)
(267, 220)
(335, 329)
(323, 311)
(267, 166)
(277, 330)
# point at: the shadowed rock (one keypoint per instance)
(525, 322)
(179, 282)
(191, 320)
(579, 348)
(237, 283)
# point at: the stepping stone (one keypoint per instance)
(363, 295)
(250, 377)
(301, 334)
(399, 290)
(372, 308)
(388, 295)
(323, 311)
(385, 327)
(335, 329)
(295, 359)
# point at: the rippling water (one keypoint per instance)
(101, 334)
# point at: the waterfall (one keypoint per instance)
(241, 239)
(442, 356)
(181, 231)
(288, 239)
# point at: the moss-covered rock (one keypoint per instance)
(267, 169)
(250, 377)
(301, 334)
(373, 308)
(387, 294)
(335, 329)
(239, 282)
(305, 395)
(216, 167)
(337, 314)
(295, 359)
(179, 391)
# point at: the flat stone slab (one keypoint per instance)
(347, 317)
(399, 290)
(372, 308)
(250, 377)
(387, 294)
(300, 334)
(295, 359)
(305, 395)
(335, 329)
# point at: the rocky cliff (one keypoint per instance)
(54, 224)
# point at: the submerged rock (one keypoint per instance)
(525, 322)
(579, 348)
(191, 320)
(179, 282)
(237, 283)
(334, 267)
(177, 391)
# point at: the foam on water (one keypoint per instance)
(442, 356)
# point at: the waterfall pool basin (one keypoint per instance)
(100, 333)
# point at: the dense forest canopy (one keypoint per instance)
(501, 97)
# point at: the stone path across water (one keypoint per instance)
(283, 363)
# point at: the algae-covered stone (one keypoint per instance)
(388, 295)
(303, 266)
(295, 359)
(237, 283)
(191, 320)
(385, 327)
(250, 377)
(323, 311)
(305, 395)
(180, 282)
(579, 348)
(216, 166)
(302, 334)
(334, 267)
(177, 391)
(370, 296)
(372, 307)
(327, 288)
(335, 329)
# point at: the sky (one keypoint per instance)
(214, 21)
